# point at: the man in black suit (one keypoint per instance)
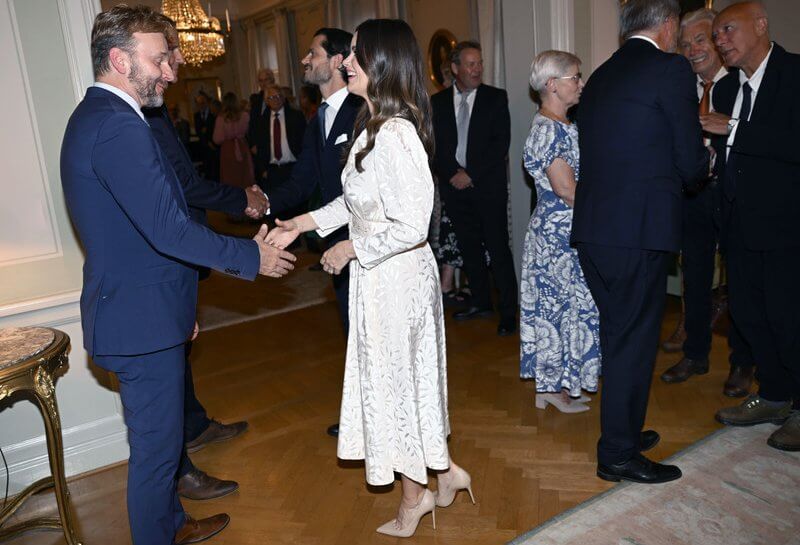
(472, 128)
(701, 232)
(640, 141)
(320, 162)
(275, 135)
(204, 120)
(757, 120)
(200, 194)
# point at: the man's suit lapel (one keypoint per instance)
(174, 133)
(450, 115)
(340, 124)
(476, 117)
(769, 85)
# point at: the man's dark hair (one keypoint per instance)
(336, 42)
(638, 15)
(115, 28)
(455, 54)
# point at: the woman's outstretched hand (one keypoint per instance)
(284, 233)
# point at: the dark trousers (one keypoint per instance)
(276, 175)
(765, 304)
(195, 418)
(151, 388)
(480, 221)
(629, 287)
(701, 234)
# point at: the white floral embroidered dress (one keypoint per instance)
(394, 401)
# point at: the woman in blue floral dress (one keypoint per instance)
(559, 322)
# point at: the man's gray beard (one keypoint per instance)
(147, 94)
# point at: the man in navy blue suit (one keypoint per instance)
(320, 162)
(640, 141)
(139, 293)
(200, 194)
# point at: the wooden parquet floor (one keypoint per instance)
(283, 374)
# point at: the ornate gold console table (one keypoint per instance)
(30, 359)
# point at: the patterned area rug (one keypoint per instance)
(735, 490)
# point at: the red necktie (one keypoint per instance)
(276, 138)
(705, 101)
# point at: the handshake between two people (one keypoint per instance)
(333, 261)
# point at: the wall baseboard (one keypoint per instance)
(86, 447)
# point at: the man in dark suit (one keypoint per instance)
(139, 294)
(204, 121)
(275, 134)
(640, 141)
(472, 128)
(701, 232)
(320, 162)
(757, 120)
(200, 194)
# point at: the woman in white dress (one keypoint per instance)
(394, 403)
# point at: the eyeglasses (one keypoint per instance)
(274, 97)
(576, 78)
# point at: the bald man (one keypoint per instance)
(756, 124)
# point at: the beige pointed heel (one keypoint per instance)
(558, 402)
(408, 526)
(460, 481)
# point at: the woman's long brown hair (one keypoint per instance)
(387, 51)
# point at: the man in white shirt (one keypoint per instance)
(319, 164)
(701, 234)
(756, 124)
(275, 134)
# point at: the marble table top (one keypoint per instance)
(20, 343)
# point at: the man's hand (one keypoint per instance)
(715, 123)
(195, 331)
(283, 234)
(274, 261)
(335, 259)
(461, 180)
(257, 203)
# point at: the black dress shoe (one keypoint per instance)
(472, 312)
(639, 470)
(507, 326)
(333, 430)
(648, 440)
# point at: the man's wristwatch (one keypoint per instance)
(732, 124)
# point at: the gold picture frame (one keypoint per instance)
(442, 43)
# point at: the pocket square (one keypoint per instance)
(341, 138)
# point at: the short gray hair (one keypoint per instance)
(638, 15)
(550, 64)
(702, 14)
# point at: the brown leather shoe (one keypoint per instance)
(216, 433)
(787, 437)
(199, 485)
(755, 410)
(195, 531)
(675, 341)
(684, 369)
(740, 379)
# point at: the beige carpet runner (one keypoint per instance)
(735, 490)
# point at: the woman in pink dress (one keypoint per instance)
(235, 164)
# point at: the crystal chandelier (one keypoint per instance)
(200, 36)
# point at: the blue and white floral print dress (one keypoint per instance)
(559, 322)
